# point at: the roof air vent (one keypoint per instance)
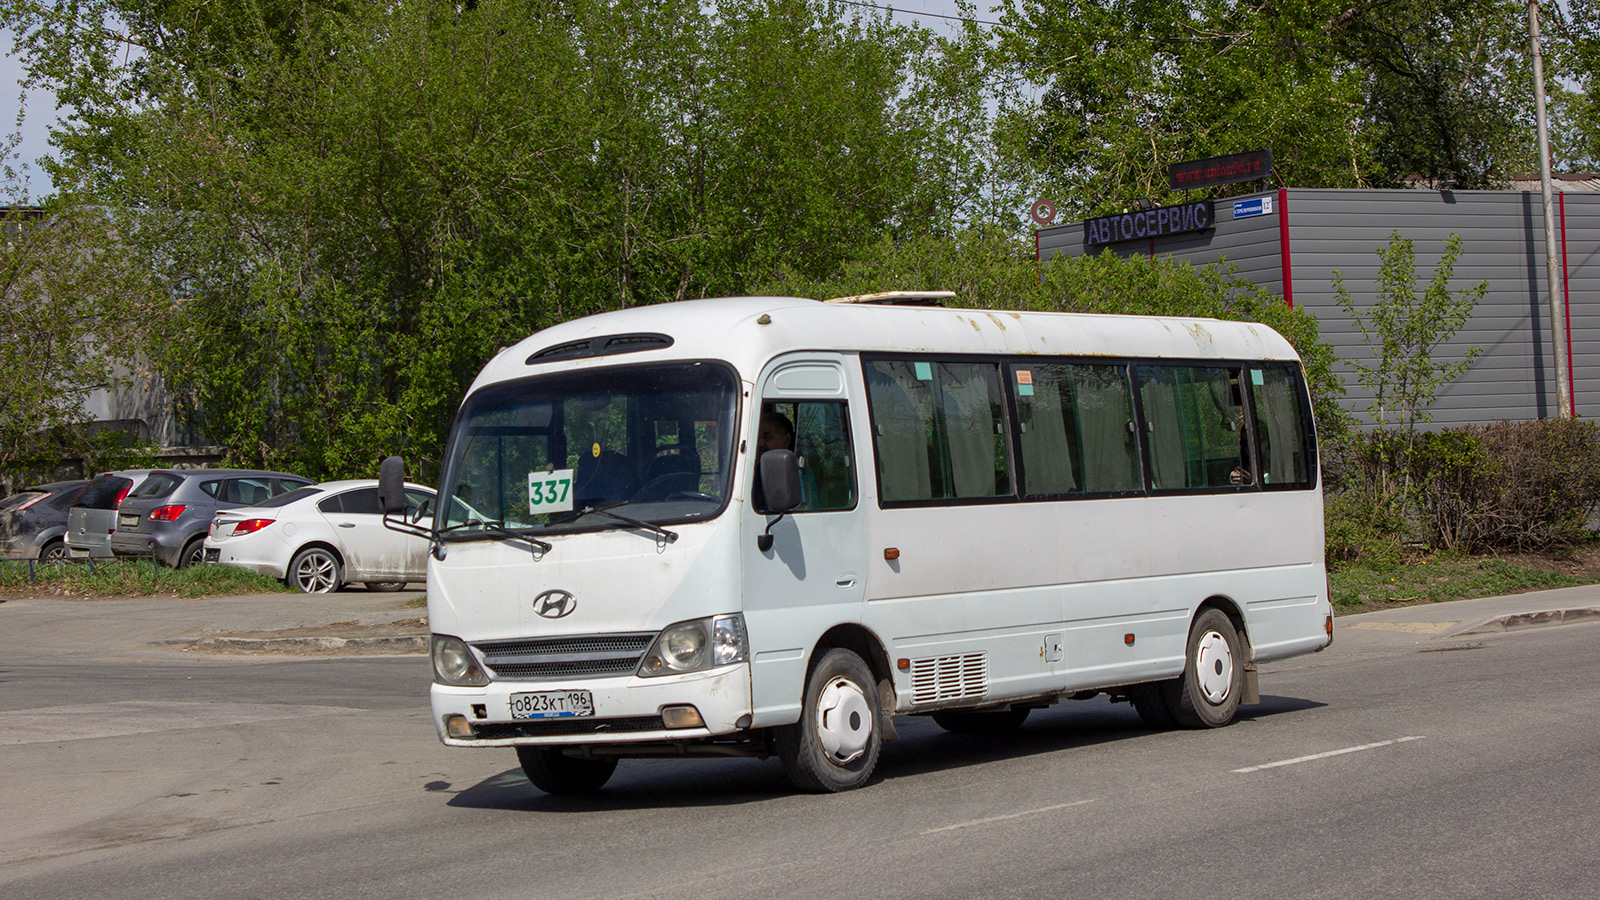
(605, 345)
(897, 298)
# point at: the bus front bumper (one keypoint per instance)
(625, 710)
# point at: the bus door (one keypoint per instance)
(813, 576)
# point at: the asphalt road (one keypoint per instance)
(1396, 764)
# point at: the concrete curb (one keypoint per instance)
(1543, 619)
(407, 643)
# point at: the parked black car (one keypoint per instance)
(33, 521)
(170, 513)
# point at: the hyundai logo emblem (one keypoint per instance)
(554, 604)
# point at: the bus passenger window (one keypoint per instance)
(1281, 434)
(939, 430)
(818, 433)
(1075, 436)
(1195, 426)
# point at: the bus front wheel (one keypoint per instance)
(554, 772)
(834, 747)
(1207, 696)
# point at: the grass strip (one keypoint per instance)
(136, 578)
(1437, 580)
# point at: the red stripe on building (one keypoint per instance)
(1283, 246)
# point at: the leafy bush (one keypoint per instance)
(1363, 529)
(1510, 486)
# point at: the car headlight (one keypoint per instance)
(454, 664)
(695, 645)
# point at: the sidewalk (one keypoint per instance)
(1483, 616)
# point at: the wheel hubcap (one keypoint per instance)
(315, 574)
(1214, 665)
(844, 721)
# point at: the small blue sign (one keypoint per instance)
(1255, 206)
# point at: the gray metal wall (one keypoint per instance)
(1502, 234)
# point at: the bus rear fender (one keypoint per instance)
(1229, 608)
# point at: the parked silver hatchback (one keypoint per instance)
(169, 514)
(93, 516)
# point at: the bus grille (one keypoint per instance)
(490, 731)
(553, 659)
(936, 679)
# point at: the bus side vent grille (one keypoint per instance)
(936, 679)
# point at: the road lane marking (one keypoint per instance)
(1016, 815)
(1341, 752)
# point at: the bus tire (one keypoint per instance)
(1149, 701)
(834, 747)
(957, 721)
(1207, 696)
(554, 772)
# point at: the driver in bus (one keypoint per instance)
(777, 433)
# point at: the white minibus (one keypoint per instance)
(767, 526)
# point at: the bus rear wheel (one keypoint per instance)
(1207, 696)
(554, 772)
(834, 747)
(959, 721)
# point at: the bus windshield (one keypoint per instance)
(547, 454)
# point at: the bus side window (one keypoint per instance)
(940, 430)
(1196, 427)
(1281, 434)
(1075, 436)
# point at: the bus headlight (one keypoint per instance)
(454, 664)
(695, 645)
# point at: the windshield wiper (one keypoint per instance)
(668, 536)
(499, 529)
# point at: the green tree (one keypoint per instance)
(1403, 328)
(1132, 87)
(70, 300)
(1447, 86)
(357, 204)
(1347, 93)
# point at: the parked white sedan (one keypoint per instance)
(320, 537)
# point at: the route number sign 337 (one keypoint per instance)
(550, 492)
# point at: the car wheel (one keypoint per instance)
(1207, 696)
(966, 722)
(387, 587)
(53, 552)
(314, 570)
(554, 772)
(834, 747)
(193, 552)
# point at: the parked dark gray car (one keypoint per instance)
(93, 515)
(33, 521)
(171, 511)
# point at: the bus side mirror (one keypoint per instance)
(780, 480)
(392, 485)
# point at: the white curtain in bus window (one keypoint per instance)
(1280, 427)
(1194, 424)
(1075, 435)
(939, 429)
